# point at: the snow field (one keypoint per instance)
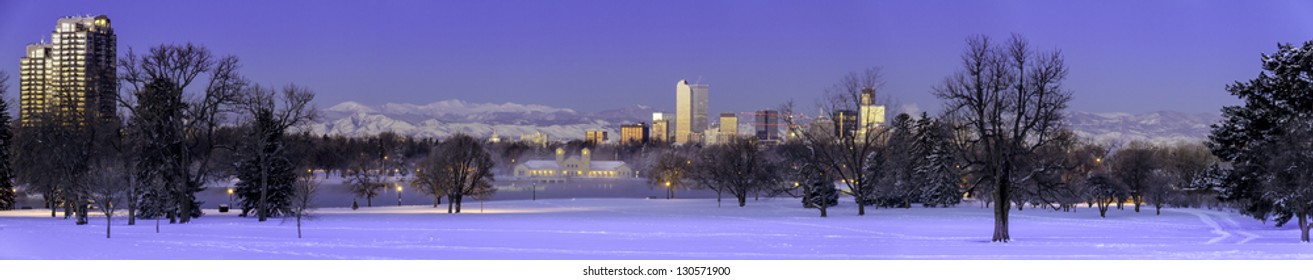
(680, 229)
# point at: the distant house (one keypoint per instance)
(575, 166)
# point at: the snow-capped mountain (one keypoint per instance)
(1155, 127)
(510, 120)
(447, 117)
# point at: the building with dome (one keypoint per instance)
(581, 166)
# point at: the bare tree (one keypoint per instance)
(1104, 190)
(1134, 165)
(303, 192)
(180, 125)
(1006, 102)
(846, 154)
(670, 170)
(467, 167)
(739, 168)
(808, 176)
(1186, 166)
(106, 184)
(432, 181)
(366, 180)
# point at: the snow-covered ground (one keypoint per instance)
(613, 228)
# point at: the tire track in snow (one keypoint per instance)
(1207, 217)
(1235, 224)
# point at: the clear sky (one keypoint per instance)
(1124, 56)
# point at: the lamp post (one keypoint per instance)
(535, 190)
(230, 196)
(398, 195)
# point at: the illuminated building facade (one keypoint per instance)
(75, 73)
(574, 166)
(633, 134)
(729, 127)
(690, 111)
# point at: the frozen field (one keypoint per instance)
(610, 228)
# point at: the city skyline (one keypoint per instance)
(1125, 57)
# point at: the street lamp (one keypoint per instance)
(534, 187)
(230, 196)
(398, 195)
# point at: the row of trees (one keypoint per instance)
(188, 119)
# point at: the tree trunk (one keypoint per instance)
(861, 208)
(107, 224)
(1001, 209)
(1138, 201)
(132, 203)
(264, 183)
(1303, 227)
(743, 199)
(1158, 210)
(435, 201)
(298, 224)
(459, 200)
(717, 198)
(822, 206)
(185, 215)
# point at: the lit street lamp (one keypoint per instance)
(230, 196)
(398, 195)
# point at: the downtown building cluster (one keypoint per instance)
(690, 122)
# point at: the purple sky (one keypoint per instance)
(1126, 56)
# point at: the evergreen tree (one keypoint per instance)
(7, 191)
(1276, 119)
(899, 187)
(936, 168)
(819, 193)
(161, 153)
(277, 191)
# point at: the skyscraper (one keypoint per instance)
(690, 111)
(767, 123)
(729, 127)
(871, 115)
(660, 131)
(74, 73)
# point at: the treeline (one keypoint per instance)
(187, 119)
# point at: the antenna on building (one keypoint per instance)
(699, 81)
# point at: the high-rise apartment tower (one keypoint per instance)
(74, 74)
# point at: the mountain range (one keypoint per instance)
(510, 120)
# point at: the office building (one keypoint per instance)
(767, 124)
(872, 115)
(660, 131)
(633, 134)
(729, 127)
(690, 111)
(595, 137)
